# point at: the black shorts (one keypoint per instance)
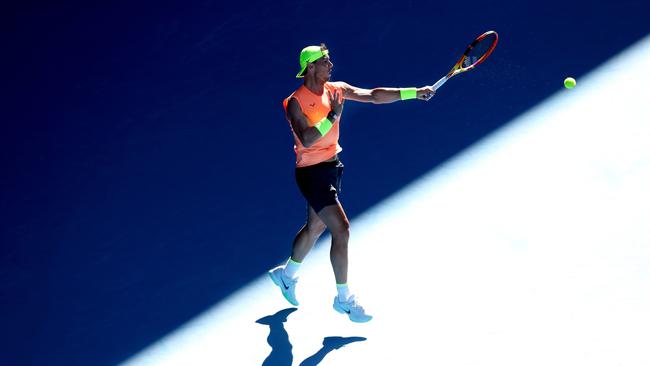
(320, 184)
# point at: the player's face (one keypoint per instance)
(323, 68)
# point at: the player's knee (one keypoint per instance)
(316, 229)
(342, 231)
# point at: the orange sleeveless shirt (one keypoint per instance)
(315, 107)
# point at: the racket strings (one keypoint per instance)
(478, 50)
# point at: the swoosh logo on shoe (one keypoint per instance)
(284, 284)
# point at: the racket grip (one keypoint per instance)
(439, 83)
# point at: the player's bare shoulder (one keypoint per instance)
(338, 84)
(344, 87)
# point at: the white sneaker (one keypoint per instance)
(351, 307)
(286, 284)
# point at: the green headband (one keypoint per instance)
(310, 54)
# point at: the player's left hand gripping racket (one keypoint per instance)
(477, 52)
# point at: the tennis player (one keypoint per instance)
(314, 113)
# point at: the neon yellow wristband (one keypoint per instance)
(408, 93)
(323, 126)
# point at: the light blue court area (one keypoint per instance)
(531, 247)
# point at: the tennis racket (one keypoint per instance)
(477, 52)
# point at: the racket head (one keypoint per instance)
(477, 52)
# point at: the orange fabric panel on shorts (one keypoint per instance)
(315, 108)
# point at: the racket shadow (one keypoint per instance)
(281, 348)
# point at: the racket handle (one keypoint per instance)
(439, 83)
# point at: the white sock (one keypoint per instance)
(291, 268)
(343, 290)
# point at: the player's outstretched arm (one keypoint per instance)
(384, 95)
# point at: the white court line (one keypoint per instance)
(529, 248)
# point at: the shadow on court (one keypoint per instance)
(281, 348)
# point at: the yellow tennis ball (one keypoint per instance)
(569, 83)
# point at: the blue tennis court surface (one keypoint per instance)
(508, 254)
(147, 184)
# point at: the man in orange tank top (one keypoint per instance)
(314, 113)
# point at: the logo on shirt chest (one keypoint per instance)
(312, 104)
